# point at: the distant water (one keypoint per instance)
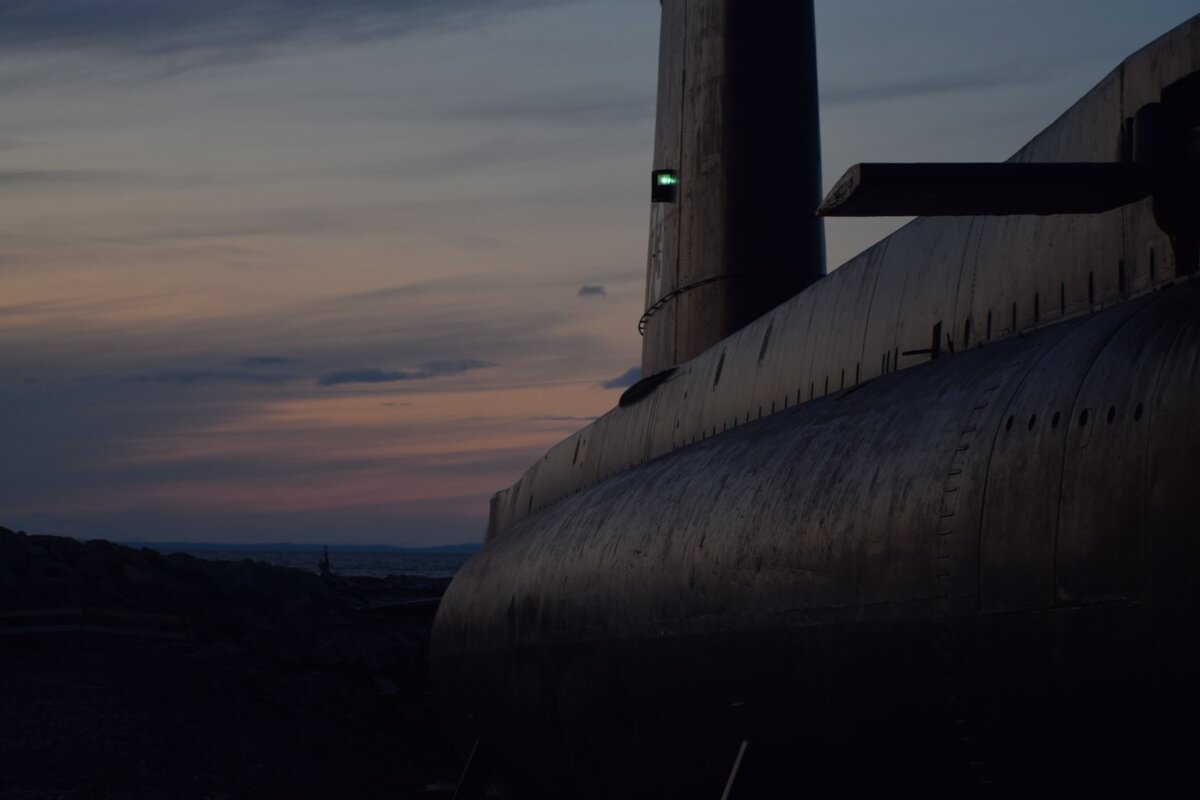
(375, 565)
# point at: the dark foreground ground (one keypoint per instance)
(270, 683)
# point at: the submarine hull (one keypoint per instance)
(978, 571)
(929, 524)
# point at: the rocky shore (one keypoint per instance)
(129, 674)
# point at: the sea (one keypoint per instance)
(375, 565)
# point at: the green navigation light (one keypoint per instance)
(665, 185)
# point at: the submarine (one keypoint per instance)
(928, 522)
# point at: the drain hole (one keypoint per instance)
(1054, 420)
(1032, 421)
(1112, 414)
(1137, 413)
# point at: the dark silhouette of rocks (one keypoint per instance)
(284, 684)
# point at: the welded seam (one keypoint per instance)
(862, 351)
(679, 210)
(944, 552)
(1062, 464)
(947, 530)
(963, 268)
(987, 473)
(1158, 380)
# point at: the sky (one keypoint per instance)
(335, 271)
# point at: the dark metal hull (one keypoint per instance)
(981, 570)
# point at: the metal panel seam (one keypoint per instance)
(862, 350)
(1107, 339)
(1150, 438)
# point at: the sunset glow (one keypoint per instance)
(343, 279)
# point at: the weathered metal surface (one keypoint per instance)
(738, 120)
(899, 571)
(983, 278)
(599, 644)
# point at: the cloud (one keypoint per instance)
(430, 369)
(592, 291)
(224, 29)
(599, 104)
(922, 85)
(267, 361)
(60, 177)
(187, 377)
(624, 380)
(277, 222)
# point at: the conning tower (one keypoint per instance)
(737, 173)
